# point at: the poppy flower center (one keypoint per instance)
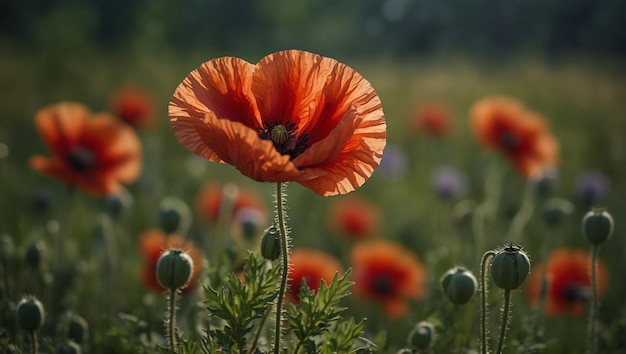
(573, 292)
(284, 136)
(509, 140)
(383, 285)
(80, 159)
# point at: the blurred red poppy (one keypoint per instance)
(568, 276)
(95, 153)
(133, 105)
(388, 273)
(312, 266)
(504, 124)
(432, 119)
(294, 116)
(152, 243)
(209, 202)
(353, 217)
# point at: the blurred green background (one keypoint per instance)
(564, 59)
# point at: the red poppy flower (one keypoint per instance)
(504, 124)
(387, 273)
(568, 275)
(152, 244)
(294, 116)
(134, 106)
(432, 119)
(94, 153)
(312, 266)
(353, 217)
(210, 200)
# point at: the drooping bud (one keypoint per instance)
(510, 267)
(459, 285)
(422, 336)
(270, 243)
(174, 215)
(597, 226)
(29, 314)
(174, 269)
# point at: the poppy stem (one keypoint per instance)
(32, 337)
(505, 320)
(484, 330)
(593, 335)
(171, 329)
(284, 257)
(524, 213)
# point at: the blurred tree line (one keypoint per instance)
(348, 27)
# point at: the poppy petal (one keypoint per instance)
(221, 86)
(60, 125)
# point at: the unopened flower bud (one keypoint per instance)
(510, 267)
(78, 329)
(29, 314)
(174, 215)
(34, 254)
(174, 269)
(597, 226)
(422, 336)
(68, 347)
(459, 285)
(270, 243)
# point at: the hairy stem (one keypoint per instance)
(592, 336)
(171, 307)
(483, 301)
(284, 257)
(33, 342)
(505, 320)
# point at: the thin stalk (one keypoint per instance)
(505, 320)
(483, 300)
(284, 256)
(592, 335)
(524, 213)
(488, 208)
(172, 319)
(33, 342)
(257, 335)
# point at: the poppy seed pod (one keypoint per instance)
(459, 285)
(510, 267)
(422, 335)
(270, 244)
(554, 210)
(174, 269)
(78, 329)
(597, 226)
(68, 347)
(34, 254)
(174, 215)
(29, 314)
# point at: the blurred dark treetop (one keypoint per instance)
(350, 27)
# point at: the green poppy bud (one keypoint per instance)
(78, 329)
(68, 347)
(597, 226)
(174, 215)
(270, 244)
(510, 267)
(174, 269)
(422, 336)
(29, 314)
(459, 285)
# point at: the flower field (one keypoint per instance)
(407, 192)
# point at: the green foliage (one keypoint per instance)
(241, 304)
(316, 321)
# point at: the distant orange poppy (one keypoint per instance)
(134, 106)
(152, 243)
(504, 124)
(432, 119)
(312, 266)
(568, 276)
(95, 153)
(294, 116)
(353, 217)
(388, 273)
